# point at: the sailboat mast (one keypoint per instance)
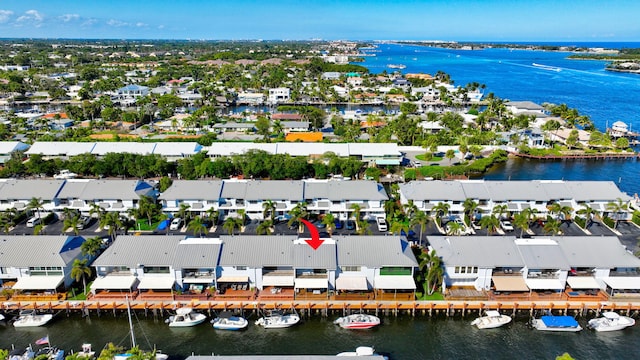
(133, 338)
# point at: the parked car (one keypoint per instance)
(83, 222)
(382, 224)
(350, 225)
(281, 218)
(339, 224)
(176, 224)
(506, 225)
(34, 221)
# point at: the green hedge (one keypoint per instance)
(580, 221)
(609, 221)
(636, 217)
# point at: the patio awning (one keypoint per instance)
(233, 279)
(277, 280)
(114, 282)
(153, 282)
(623, 282)
(38, 282)
(545, 284)
(352, 283)
(509, 283)
(404, 282)
(583, 282)
(311, 283)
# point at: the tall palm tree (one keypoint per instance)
(97, 210)
(92, 246)
(430, 273)
(617, 207)
(420, 219)
(111, 220)
(183, 212)
(562, 211)
(410, 208)
(268, 208)
(356, 214)
(552, 226)
(72, 222)
(230, 224)
(148, 208)
(298, 212)
(265, 227)
(500, 210)
(397, 227)
(213, 215)
(521, 221)
(589, 213)
(490, 222)
(441, 209)
(80, 270)
(330, 221)
(454, 228)
(470, 206)
(197, 226)
(35, 204)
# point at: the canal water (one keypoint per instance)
(402, 338)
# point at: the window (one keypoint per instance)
(45, 270)
(156, 270)
(465, 270)
(240, 267)
(349, 268)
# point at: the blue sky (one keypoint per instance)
(460, 20)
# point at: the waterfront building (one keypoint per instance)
(38, 267)
(172, 151)
(128, 95)
(516, 195)
(198, 195)
(110, 195)
(557, 266)
(525, 107)
(17, 194)
(279, 95)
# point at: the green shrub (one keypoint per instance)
(636, 217)
(580, 221)
(608, 221)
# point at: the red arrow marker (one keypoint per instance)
(315, 241)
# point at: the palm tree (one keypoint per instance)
(197, 226)
(589, 213)
(111, 220)
(330, 221)
(72, 222)
(297, 213)
(397, 227)
(79, 271)
(552, 226)
(410, 208)
(490, 222)
(241, 217)
(96, 209)
(92, 246)
(213, 215)
(454, 228)
(421, 219)
(563, 211)
(356, 214)
(500, 210)
(268, 208)
(521, 221)
(265, 227)
(230, 224)
(617, 207)
(183, 212)
(35, 204)
(431, 273)
(470, 206)
(441, 209)
(148, 208)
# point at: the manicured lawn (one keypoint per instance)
(434, 296)
(433, 158)
(143, 224)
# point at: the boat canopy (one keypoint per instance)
(611, 315)
(493, 313)
(583, 282)
(38, 283)
(559, 321)
(184, 311)
(509, 283)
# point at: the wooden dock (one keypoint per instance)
(323, 308)
(600, 156)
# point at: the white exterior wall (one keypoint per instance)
(254, 275)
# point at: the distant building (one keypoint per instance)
(278, 95)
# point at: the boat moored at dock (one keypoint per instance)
(610, 321)
(491, 320)
(358, 321)
(227, 321)
(30, 318)
(185, 317)
(560, 323)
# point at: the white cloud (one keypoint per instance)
(141, 24)
(89, 22)
(160, 26)
(4, 15)
(30, 16)
(116, 23)
(69, 17)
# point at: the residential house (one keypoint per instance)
(7, 148)
(18, 193)
(200, 195)
(525, 107)
(39, 266)
(340, 197)
(110, 195)
(279, 95)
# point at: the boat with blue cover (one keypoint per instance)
(556, 323)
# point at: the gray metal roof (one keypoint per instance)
(193, 190)
(481, 251)
(515, 190)
(475, 190)
(148, 250)
(555, 190)
(197, 255)
(305, 257)
(542, 256)
(256, 251)
(433, 190)
(595, 191)
(233, 190)
(355, 190)
(41, 250)
(100, 190)
(374, 251)
(26, 189)
(275, 190)
(604, 252)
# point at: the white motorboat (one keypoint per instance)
(556, 323)
(29, 318)
(278, 320)
(367, 351)
(358, 321)
(547, 67)
(227, 321)
(610, 321)
(51, 353)
(492, 319)
(86, 352)
(1, 317)
(26, 354)
(185, 317)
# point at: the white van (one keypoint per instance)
(34, 221)
(382, 224)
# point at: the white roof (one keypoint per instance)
(7, 147)
(38, 282)
(103, 148)
(156, 282)
(623, 282)
(60, 148)
(404, 282)
(545, 284)
(352, 283)
(311, 283)
(583, 282)
(277, 280)
(114, 282)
